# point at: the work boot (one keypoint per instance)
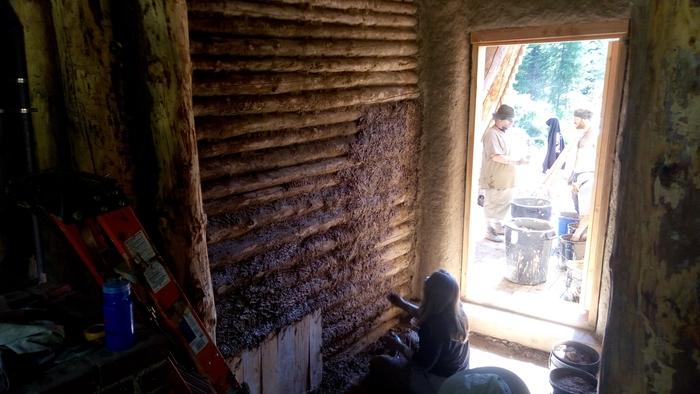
(498, 228)
(491, 235)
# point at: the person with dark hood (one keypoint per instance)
(555, 144)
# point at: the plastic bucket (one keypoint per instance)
(528, 245)
(572, 381)
(536, 208)
(571, 250)
(564, 219)
(574, 354)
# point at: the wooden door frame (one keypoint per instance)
(612, 97)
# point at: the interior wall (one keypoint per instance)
(653, 333)
(444, 87)
(307, 129)
(651, 341)
(445, 68)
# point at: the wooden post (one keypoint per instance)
(166, 69)
(95, 126)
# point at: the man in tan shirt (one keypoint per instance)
(497, 177)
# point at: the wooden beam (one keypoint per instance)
(220, 189)
(305, 14)
(261, 196)
(224, 84)
(276, 139)
(250, 162)
(257, 27)
(167, 81)
(303, 48)
(393, 7)
(216, 128)
(552, 33)
(232, 252)
(95, 126)
(308, 65)
(240, 105)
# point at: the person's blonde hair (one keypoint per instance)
(441, 298)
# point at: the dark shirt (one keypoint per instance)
(437, 353)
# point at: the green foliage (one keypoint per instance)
(554, 72)
(525, 122)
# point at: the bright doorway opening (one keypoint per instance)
(544, 73)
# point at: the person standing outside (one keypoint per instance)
(581, 160)
(497, 177)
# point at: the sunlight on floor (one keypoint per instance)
(536, 377)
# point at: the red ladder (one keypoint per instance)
(98, 203)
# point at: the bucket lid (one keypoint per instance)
(116, 286)
(529, 224)
(531, 202)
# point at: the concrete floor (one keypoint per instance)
(529, 364)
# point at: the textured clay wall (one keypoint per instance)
(652, 341)
(445, 67)
(307, 131)
(483, 14)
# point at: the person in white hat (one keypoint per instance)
(497, 177)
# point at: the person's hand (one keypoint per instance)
(393, 343)
(395, 299)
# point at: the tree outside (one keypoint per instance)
(554, 78)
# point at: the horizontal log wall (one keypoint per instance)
(307, 134)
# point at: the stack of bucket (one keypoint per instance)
(571, 254)
(573, 368)
(569, 250)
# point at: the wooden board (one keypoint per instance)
(251, 370)
(288, 362)
(270, 367)
(301, 355)
(315, 360)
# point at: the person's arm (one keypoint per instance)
(504, 159)
(400, 302)
(581, 228)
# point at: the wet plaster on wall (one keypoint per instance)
(338, 270)
(484, 14)
(654, 325)
(443, 82)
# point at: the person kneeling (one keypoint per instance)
(442, 347)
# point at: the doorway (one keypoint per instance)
(544, 73)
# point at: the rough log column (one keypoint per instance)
(653, 334)
(95, 127)
(178, 201)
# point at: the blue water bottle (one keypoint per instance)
(118, 311)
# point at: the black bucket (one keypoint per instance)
(575, 355)
(536, 208)
(572, 381)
